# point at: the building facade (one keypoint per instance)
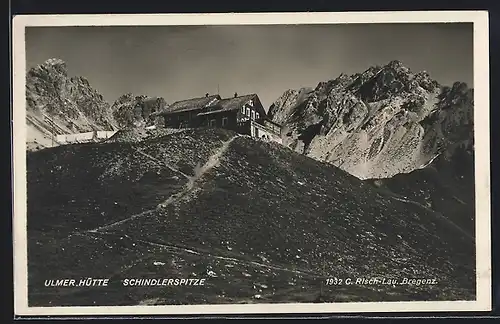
(242, 114)
(236, 113)
(266, 130)
(183, 114)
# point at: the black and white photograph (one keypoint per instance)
(239, 163)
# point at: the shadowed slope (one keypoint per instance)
(446, 185)
(258, 221)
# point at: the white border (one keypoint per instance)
(482, 161)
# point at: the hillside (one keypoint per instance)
(260, 222)
(376, 124)
(446, 185)
(61, 104)
(138, 134)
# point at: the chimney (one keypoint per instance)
(206, 94)
(235, 94)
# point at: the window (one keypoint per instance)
(253, 114)
(248, 112)
(257, 115)
(212, 122)
(243, 110)
(224, 121)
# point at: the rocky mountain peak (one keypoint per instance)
(52, 71)
(61, 104)
(380, 122)
(392, 79)
(81, 80)
(460, 87)
(396, 65)
(55, 64)
(130, 110)
(343, 77)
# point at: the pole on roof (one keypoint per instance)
(218, 92)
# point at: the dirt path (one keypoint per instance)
(212, 162)
(152, 158)
(173, 248)
(146, 212)
(199, 172)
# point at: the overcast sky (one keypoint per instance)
(185, 62)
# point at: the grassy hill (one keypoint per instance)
(260, 222)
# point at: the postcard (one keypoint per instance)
(251, 163)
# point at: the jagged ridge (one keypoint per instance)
(384, 121)
(60, 104)
(137, 111)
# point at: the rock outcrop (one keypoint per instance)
(137, 111)
(379, 123)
